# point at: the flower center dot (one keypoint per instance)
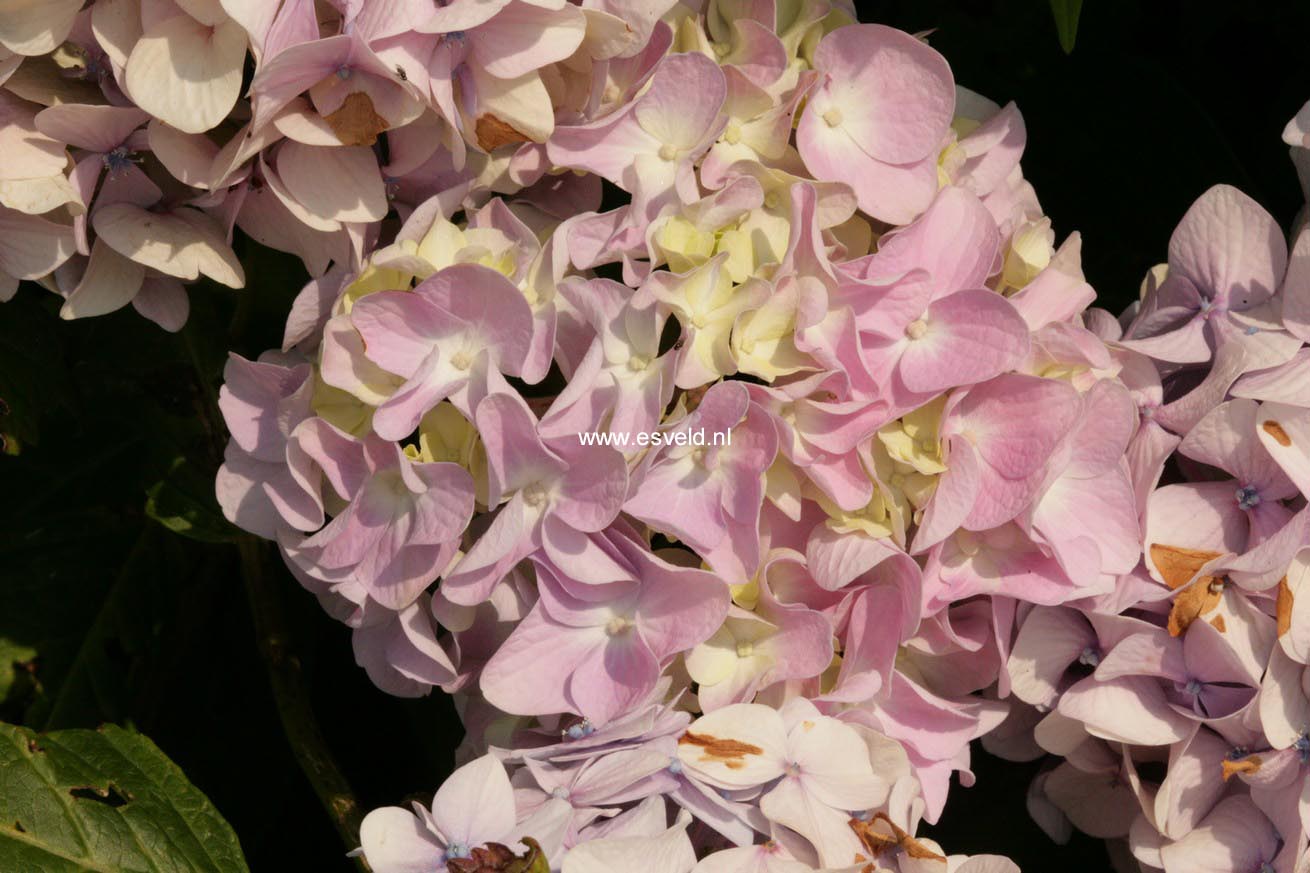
(617, 625)
(668, 152)
(117, 160)
(745, 650)
(832, 117)
(916, 329)
(534, 494)
(1248, 497)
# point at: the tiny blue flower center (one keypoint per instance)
(579, 731)
(1089, 657)
(458, 850)
(560, 793)
(1248, 497)
(344, 73)
(117, 160)
(1302, 746)
(1193, 687)
(1252, 330)
(675, 766)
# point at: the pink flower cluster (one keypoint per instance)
(829, 256)
(941, 499)
(1180, 700)
(935, 513)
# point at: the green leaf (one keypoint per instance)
(184, 502)
(107, 801)
(1066, 14)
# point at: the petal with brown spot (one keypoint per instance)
(878, 841)
(1193, 602)
(1275, 430)
(1284, 607)
(729, 753)
(355, 122)
(493, 133)
(1177, 564)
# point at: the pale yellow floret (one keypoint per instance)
(446, 244)
(913, 438)
(341, 409)
(964, 126)
(1030, 251)
(371, 280)
(746, 594)
(949, 161)
(763, 341)
(444, 434)
(732, 648)
(687, 33)
(855, 236)
(707, 302)
(1154, 279)
(782, 486)
(684, 245)
(873, 519)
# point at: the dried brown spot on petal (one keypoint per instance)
(1178, 565)
(1249, 764)
(493, 133)
(499, 858)
(1284, 608)
(695, 396)
(1275, 430)
(1219, 624)
(1193, 602)
(356, 123)
(878, 840)
(729, 753)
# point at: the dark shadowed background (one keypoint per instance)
(105, 615)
